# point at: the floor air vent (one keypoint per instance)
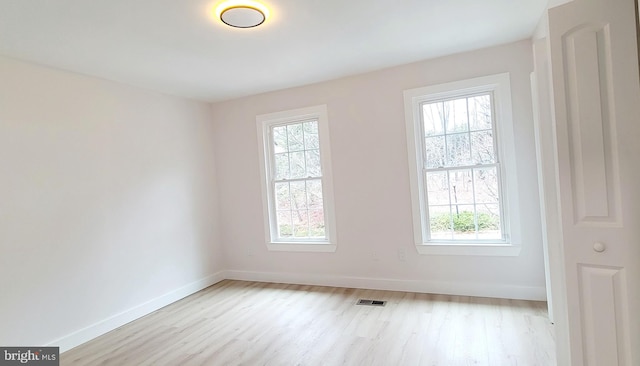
(371, 302)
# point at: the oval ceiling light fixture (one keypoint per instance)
(242, 13)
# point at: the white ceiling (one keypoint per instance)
(176, 47)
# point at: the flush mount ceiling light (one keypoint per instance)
(242, 14)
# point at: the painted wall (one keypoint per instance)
(107, 203)
(371, 183)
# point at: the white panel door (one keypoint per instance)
(596, 108)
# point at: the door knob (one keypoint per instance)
(599, 247)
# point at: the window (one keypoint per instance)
(460, 140)
(297, 185)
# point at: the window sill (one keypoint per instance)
(495, 250)
(301, 247)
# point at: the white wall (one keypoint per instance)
(366, 119)
(107, 204)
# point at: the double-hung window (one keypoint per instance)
(297, 184)
(461, 150)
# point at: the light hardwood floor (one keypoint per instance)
(250, 323)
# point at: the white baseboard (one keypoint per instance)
(86, 334)
(422, 286)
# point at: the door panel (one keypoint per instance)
(596, 110)
(602, 299)
(592, 144)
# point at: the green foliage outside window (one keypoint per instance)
(464, 222)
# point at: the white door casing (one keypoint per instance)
(546, 153)
(596, 115)
(547, 174)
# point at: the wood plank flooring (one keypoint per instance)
(251, 323)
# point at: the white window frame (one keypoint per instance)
(265, 122)
(500, 87)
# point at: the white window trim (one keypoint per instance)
(264, 123)
(500, 86)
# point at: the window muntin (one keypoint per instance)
(498, 87)
(297, 181)
(461, 169)
(297, 188)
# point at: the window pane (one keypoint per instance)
(314, 193)
(461, 186)
(460, 167)
(298, 168)
(298, 195)
(313, 163)
(316, 223)
(300, 224)
(294, 169)
(440, 222)
(434, 149)
(282, 166)
(311, 140)
(296, 140)
(486, 183)
(432, 119)
(455, 112)
(489, 221)
(283, 201)
(464, 222)
(437, 188)
(280, 139)
(458, 149)
(285, 229)
(482, 147)
(480, 112)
